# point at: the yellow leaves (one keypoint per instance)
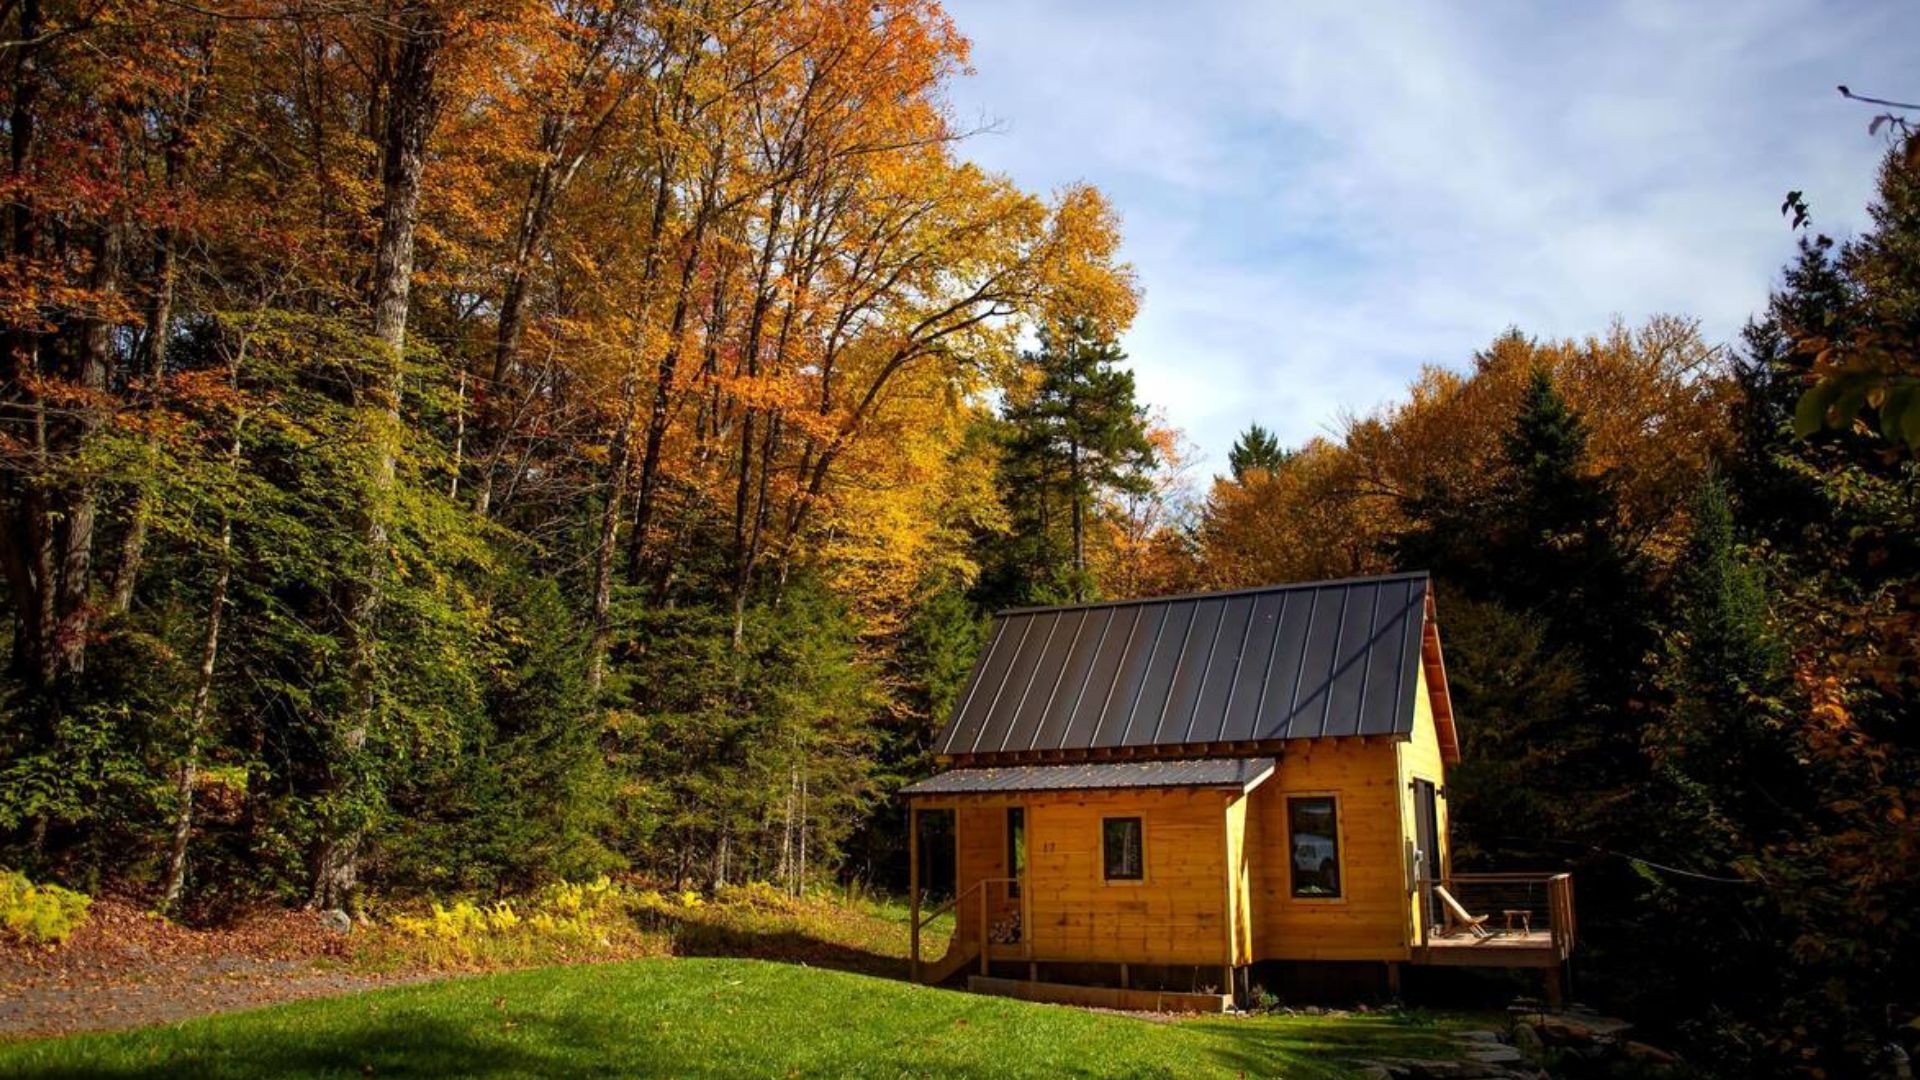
(1309, 520)
(1083, 275)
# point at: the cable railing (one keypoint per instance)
(1501, 910)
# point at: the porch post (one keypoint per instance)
(913, 891)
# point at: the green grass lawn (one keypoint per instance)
(711, 1017)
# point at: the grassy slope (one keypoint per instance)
(706, 1018)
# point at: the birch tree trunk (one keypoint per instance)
(411, 107)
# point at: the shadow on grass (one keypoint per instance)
(481, 1043)
(783, 944)
(1321, 1047)
(406, 1046)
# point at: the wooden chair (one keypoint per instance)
(1458, 914)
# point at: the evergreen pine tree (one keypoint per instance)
(1556, 548)
(1256, 448)
(1722, 744)
(1080, 433)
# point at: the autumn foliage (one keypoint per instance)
(396, 394)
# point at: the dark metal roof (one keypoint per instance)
(1311, 660)
(1237, 773)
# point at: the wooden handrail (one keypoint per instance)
(1558, 887)
(961, 895)
(979, 885)
(1560, 913)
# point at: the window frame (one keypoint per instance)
(1140, 822)
(1339, 848)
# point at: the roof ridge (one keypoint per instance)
(1290, 586)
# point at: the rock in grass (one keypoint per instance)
(1646, 1054)
(1527, 1040)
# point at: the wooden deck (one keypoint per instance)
(1527, 921)
(1533, 948)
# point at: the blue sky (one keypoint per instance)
(1321, 197)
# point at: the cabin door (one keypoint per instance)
(1426, 824)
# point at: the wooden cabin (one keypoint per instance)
(1139, 800)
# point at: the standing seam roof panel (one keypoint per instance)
(1083, 725)
(1052, 728)
(1309, 716)
(1329, 659)
(1381, 689)
(1283, 674)
(1348, 683)
(1412, 639)
(989, 679)
(1209, 714)
(1048, 672)
(1020, 676)
(1143, 722)
(1124, 696)
(1189, 670)
(1250, 694)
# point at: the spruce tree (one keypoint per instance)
(1722, 744)
(1078, 434)
(1556, 547)
(1256, 448)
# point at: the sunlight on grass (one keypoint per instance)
(711, 1018)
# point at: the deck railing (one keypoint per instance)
(920, 921)
(1529, 906)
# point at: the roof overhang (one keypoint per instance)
(1228, 774)
(1439, 697)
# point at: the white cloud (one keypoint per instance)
(1322, 196)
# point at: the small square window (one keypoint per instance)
(1313, 838)
(1122, 844)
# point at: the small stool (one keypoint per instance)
(1522, 915)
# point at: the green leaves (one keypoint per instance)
(1839, 400)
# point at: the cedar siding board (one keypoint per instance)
(1175, 915)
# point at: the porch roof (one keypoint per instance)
(1242, 774)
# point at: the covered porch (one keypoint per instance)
(1114, 883)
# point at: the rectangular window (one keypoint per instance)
(1313, 835)
(1122, 846)
(1016, 848)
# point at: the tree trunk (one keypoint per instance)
(1076, 493)
(133, 544)
(411, 107)
(720, 854)
(76, 545)
(661, 412)
(609, 543)
(24, 553)
(800, 878)
(197, 708)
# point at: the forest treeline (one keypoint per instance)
(1679, 590)
(451, 448)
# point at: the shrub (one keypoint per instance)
(39, 914)
(559, 922)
